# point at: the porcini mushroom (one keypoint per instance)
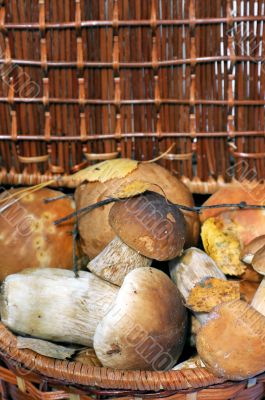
(232, 342)
(28, 237)
(140, 325)
(102, 180)
(146, 326)
(147, 227)
(250, 249)
(53, 304)
(192, 268)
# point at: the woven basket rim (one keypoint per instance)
(75, 373)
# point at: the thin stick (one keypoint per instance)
(86, 209)
(161, 155)
(242, 206)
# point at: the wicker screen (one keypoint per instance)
(87, 80)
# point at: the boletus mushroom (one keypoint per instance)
(104, 179)
(191, 269)
(146, 326)
(141, 325)
(147, 227)
(232, 342)
(28, 237)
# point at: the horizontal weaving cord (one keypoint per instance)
(126, 102)
(136, 23)
(132, 64)
(150, 135)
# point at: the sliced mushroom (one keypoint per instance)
(147, 227)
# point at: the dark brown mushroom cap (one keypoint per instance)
(149, 224)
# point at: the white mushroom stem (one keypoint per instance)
(116, 261)
(258, 301)
(52, 304)
(190, 269)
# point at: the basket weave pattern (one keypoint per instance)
(100, 79)
(88, 80)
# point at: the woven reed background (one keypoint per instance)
(94, 79)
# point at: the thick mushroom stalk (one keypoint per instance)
(52, 304)
(190, 269)
(116, 261)
(147, 227)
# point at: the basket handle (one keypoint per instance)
(55, 169)
(101, 156)
(94, 157)
(239, 154)
(178, 157)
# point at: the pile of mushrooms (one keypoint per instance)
(124, 313)
(131, 314)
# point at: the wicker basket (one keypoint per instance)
(89, 80)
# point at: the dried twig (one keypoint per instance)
(197, 209)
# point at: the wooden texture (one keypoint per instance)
(98, 79)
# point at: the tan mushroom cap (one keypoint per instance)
(258, 262)
(28, 236)
(251, 249)
(232, 342)
(146, 326)
(150, 225)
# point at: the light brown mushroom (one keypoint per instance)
(250, 249)
(28, 237)
(147, 227)
(141, 325)
(191, 269)
(146, 326)
(104, 179)
(232, 341)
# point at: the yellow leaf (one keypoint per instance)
(132, 189)
(106, 170)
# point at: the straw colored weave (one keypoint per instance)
(89, 80)
(98, 79)
(33, 374)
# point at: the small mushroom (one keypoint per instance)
(193, 267)
(146, 326)
(249, 251)
(232, 341)
(147, 227)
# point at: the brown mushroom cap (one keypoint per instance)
(146, 326)
(150, 225)
(28, 237)
(231, 343)
(94, 227)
